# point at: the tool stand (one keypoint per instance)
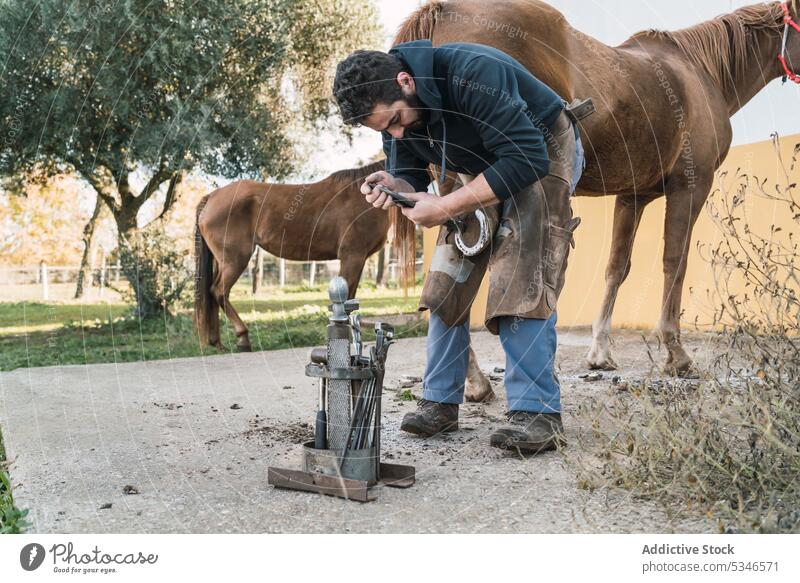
(344, 458)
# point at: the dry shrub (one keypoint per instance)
(727, 446)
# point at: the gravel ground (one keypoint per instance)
(184, 446)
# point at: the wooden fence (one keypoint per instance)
(57, 282)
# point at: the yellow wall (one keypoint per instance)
(639, 300)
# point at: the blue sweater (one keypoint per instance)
(485, 114)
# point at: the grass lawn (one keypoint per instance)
(45, 334)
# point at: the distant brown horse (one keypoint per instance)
(329, 219)
(662, 127)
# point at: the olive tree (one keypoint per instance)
(133, 94)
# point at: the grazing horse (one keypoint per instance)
(325, 220)
(662, 126)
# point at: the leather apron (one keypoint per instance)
(527, 256)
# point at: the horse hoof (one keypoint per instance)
(600, 362)
(480, 397)
(599, 357)
(685, 370)
(602, 365)
(690, 373)
(679, 364)
(245, 348)
(479, 391)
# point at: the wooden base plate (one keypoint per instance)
(392, 475)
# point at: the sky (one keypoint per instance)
(611, 21)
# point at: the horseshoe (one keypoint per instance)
(483, 238)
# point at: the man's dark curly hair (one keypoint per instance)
(363, 80)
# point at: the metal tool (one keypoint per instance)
(357, 340)
(344, 458)
(321, 422)
(398, 198)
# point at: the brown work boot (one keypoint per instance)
(530, 432)
(431, 418)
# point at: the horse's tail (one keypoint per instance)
(206, 308)
(404, 246)
(419, 25)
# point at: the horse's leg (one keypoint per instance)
(477, 388)
(627, 216)
(229, 272)
(351, 264)
(683, 208)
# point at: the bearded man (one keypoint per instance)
(514, 142)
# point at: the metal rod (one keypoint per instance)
(356, 413)
(365, 420)
(321, 424)
(377, 431)
(366, 416)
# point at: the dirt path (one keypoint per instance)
(183, 446)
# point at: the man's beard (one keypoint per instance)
(415, 104)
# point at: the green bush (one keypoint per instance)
(158, 274)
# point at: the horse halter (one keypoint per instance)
(787, 22)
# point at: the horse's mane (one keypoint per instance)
(350, 175)
(420, 23)
(720, 45)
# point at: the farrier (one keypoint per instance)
(475, 110)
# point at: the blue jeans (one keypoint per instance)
(530, 380)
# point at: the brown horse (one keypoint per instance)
(662, 127)
(329, 219)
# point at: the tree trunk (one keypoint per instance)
(126, 228)
(102, 282)
(124, 206)
(258, 271)
(88, 234)
(128, 243)
(381, 268)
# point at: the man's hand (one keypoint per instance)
(430, 210)
(374, 196)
